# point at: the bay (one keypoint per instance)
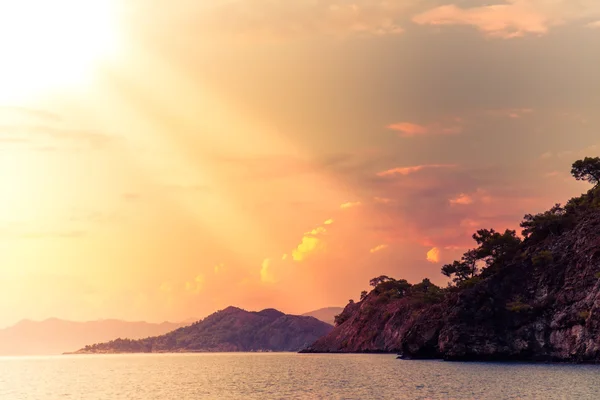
(286, 376)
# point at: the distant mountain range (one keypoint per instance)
(56, 336)
(326, 314)
(231, 329)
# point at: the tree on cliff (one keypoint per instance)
(380, 279)
(494, 249)
(587, 169)
(549, 223)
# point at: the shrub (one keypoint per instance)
(518, 306)
(583, 315)
(469, 283)
(542, 258)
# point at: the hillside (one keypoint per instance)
(536, 298)
(326, 314)
(55, 336)
(231, 329)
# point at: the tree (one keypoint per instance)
(363, 295)
(380, 279)
(459, 271)
(494, 249)
(587, 169)
(549, 223)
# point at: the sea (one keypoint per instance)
(286, 376)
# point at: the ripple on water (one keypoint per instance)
(286, 376)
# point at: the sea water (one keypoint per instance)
(286, 376)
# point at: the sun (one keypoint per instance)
(52, 44)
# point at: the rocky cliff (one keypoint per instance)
(540, 301)
(231, 329)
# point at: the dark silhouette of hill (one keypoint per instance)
(55, 336)
(326, 314)
(231, 329)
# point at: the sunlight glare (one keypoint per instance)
(49, 45)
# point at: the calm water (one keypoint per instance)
(286, 376)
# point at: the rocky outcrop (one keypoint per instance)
(543, 304)
(231, 329)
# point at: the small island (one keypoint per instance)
(228, 330)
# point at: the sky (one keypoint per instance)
(161, 162)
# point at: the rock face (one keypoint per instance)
(544, 305)
(231, 329)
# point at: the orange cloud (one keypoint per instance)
(433, 255)
(515, 19)
(266, 275)
(308, 245)
(513, 113)
(378, 248)
(382, 200)
(594, 25)
(218, 268)
(281, 19)
(317, 231)
(410, 170)
(480, 196)
(196, 285)
(462, 199)
(350, 205)
(166, 287)
(409, 129)
(328, 222)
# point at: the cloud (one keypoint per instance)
(412, 169)
(409, 129)
(308, 245)
(594, 25)
(28, 112)
(166, 287)
(514, 18)
(196, 285)
(219, 268)
(462, 199)
(75, 234)
(16, 132)
(277, 19)
(378, 248)
(433, 255)
(514, 113)
(382, 200)
(317, 231)
(350, 205)
(266, 275)
(328, 222)
(131, 196)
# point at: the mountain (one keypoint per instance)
(231, 329)
(534, 299)
(325, 314)
(55, 336)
